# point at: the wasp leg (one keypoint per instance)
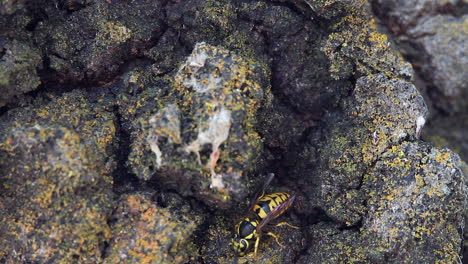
(276, 237)
(257, 241)
(286, 224)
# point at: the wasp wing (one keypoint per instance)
(276, 212)
(260, 192)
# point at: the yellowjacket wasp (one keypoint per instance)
(263, 209)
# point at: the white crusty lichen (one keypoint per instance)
(215, 131)
(198, 58)
(420, 122)
(197, 61)
(165, 123)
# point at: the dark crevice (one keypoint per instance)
(124, 180)
(105, 246)
(31, 26)
(2, 51)
(432, 97)
(289, 5)
(276, 84)
(305, 136)
(36, 13)
(318, 215)
(4, 109)
(110, 220)
(304, 250)
(353, 80)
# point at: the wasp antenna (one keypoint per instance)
(270, 177)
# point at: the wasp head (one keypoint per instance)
(245, 233)
(240, 245)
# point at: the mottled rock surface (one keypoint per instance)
(381, 113)
(432, 36)
(443, 39)
(144, 232)
(91, 43)
(56, 184)
(409, 208)
(377, 180)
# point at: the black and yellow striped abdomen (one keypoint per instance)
(269, 202)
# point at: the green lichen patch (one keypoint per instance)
(355, 44)
(19, 62)
(380, 113)
(144, 232)
(416, 198)
(112, 33)
(415, 195)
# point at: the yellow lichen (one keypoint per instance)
(442, 157)
(112, 33)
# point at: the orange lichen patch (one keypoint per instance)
(55, 203)
(134, 203)
(148, 234)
